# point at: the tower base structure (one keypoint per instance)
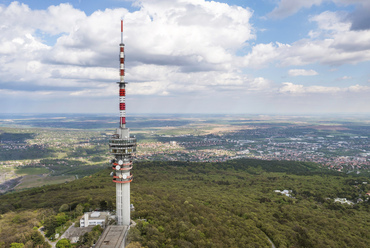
(113, 237)
(122, 145)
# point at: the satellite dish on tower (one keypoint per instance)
(124, 176)
(118, 167)
(120, 162)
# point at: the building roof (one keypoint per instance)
(95, 214)
(112, 237)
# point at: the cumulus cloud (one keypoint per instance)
(332, 43)
(359, 88)
(175, 82)
(19, 18)
(163, 29)
(299, 89)
(22, 50)
(262, 54)
(286, 8)
(345, 78)
(291, 88)
(178, 48)
(302, 72)
(331, 21)
(166, 44)
(289, 7)
(260, 84)
(360, 17)
(341, 44)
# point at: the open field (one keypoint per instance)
(31, 171)
(32, 181)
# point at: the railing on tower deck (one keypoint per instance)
(122, 151)
(118, 141)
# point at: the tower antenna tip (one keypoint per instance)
(121, 30)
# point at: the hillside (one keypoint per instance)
(231, 204)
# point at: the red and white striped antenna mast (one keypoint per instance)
(122, 83)
(122, 30)
(122, 145)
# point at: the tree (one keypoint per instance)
(103, 205)
(17, 245)
(79, 210)
(37, 238)
(64, 243)
(50, 224)
(64, 208)
(61, 218)
(134, 245)
(134, 234)
(98, 228)
(87, 239)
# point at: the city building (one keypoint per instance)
(94, 219)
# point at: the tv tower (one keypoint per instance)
(122, 145)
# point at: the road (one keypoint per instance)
(272, 244)
(67, 231)
(53, 244)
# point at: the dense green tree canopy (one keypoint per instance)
(64, 243)
(231, 204)
(16, 245)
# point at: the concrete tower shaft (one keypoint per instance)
(122, 145)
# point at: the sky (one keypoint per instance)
(186, 56)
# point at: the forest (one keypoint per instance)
(229, 204)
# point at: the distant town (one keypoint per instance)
(38, 151)
(350, 153)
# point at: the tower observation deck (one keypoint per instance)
(122, 145)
